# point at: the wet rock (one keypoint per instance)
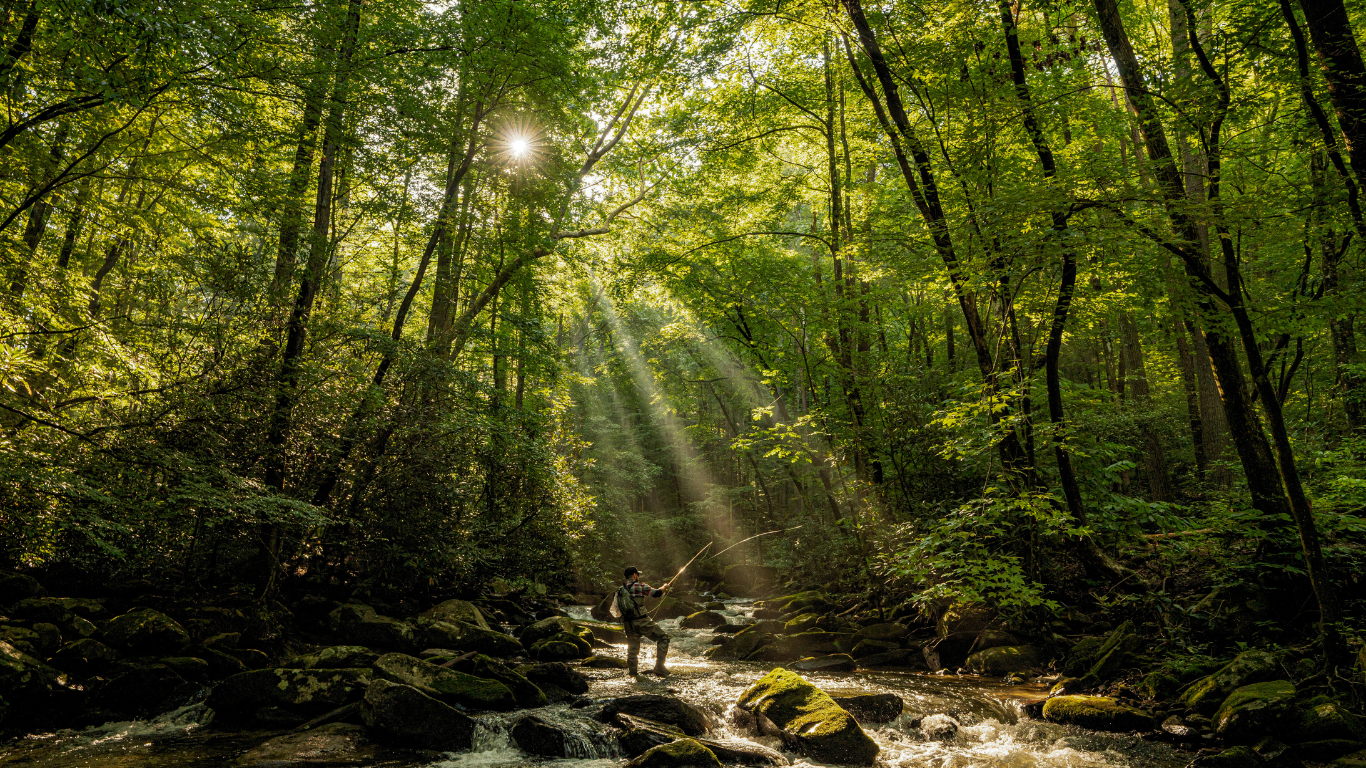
(556, 675)
(561, 647)
(17, 586)
(1249, 667)
(468, 637)
(1277, 754)
(742, 646)
(767, 614)
(1082, 656)
(807, 719)
(800, 623)
(548, 628)
(336, 657)
(145, 632)
(963, 619)
(225, 641)
(49, 637)
(902, 658)
(1252, 711)
(359, 624)
(703, 620)
(749, 580)
(538, 737)
(798, 646)
(330, 744)
(456, 610)
(890, 632)
(22, 638)
(663, 709)
(939, 727)
(994, 638)
(1354, 760)
(1179, 731)
(603, 610)
(527, 693)
(49, 609)
(445, 685)
(143, 692)
(1237, 757)
(603, 631)
(838, 662)
(281, 696)
(411, 718)
(84, 657)
(729, 629)
(24, 680)
(873, 648)
(674, 608)
(1098, 713)
(640, 735)
(1328, 750)
(604, 662)
(684, 753)
(1326, 721)
(188, 667)
(872, 708)
(1002, 660)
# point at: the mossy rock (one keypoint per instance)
(963, 618)
(24, 680)
(1249, 667)
(1003, 660)
(604, 662)
(144, 633)
(1098, 713)
(527, 693)
(660, 709)
(809, 719)
(359, 624)
(456, 610)
(813, 643)
(702, 620)
(603, 632)
(559, 648)
(17, 586)
(1082, 656)
(1159, 684)
(1354, 760)
(684, 753)
(1252, 711)
(1111, 657)
(410, 718)
(873, 647)
(467, 637)
(446, 685)
(890, 632)
(1328, 750)
(555, 625)
(835, 662)
(86, 656)
(1236, 757)
(1328, 720)
(801, 623)
(674, 608)
(279, 695)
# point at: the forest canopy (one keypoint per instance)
(1025, 304)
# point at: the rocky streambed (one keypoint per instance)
(495, 684)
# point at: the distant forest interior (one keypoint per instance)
(1044, 309)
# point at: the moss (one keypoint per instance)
(801, 623)
(677, 754)
(1323, 721)
(810, 718)
(457, 610)
(1082, 656)
(1237, 757)
(527, 693)
(1099, 713)
(1004, 659)
(445, 684)
(1249, 667)
(1250, 712)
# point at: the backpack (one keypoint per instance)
(624, 606)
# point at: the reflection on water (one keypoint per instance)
(991, 735)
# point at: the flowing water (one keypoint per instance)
(992, 733)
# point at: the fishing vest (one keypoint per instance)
(630, 611)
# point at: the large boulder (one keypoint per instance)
(939, 727)
(556, 679)
(411, 718)
(527, 694)
(603, 632)
(1003, 660)
(24, 680)
(901, 658)
(836, 662)
(673, 608)
(873, 647)
(1249, 667)
(447, 685)
(333, 744)
(552, 626)
(872, 708)
(284, 696)
(143, 692)
(538, 737)
(335, 657)
(86, 656)
(359, 624)
(1098, 713)
(456, 610)
(145, 632)
(1236, 757)
(807, 719)
(16, 586)
(467, 637)
(885, 632)
(1252, 711)
(684, 753)
(561, 647)
(663, 709)
(742, 645)
(702, 620)
(1326, 721)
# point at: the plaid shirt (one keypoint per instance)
(639, 590)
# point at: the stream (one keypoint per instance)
(992, 733)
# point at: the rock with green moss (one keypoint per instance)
(279, 696)
(24, 680)
(1249, 667)
(1110, 658)
(872, 647)
(1328, 750)
(835, 662)
(1082, 656)
(457, 610)
(1322, 720)
(1098, 713)
(446, 684)
(742, 646)
(16, 586)
(1236, 757)
(808, 719)
(890, 632)
(527, 693)
(549, 627)
(359, 624)
(800, 623)
(702, 620)
(144, 632)
(410, 718)
(467, 637)
(604, 662)
(684, 753)
(1252, 711)
(86, 656)
(558, 648)
(1004, 659)
(603, 632)
(658, 708)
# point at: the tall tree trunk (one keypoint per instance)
(1330, 31)
(291, 217)
(1191, 387)
(1154, 458)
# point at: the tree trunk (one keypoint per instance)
(1154, 458)
(1330, 31)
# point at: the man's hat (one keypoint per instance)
(631, 570)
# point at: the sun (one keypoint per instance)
(519, 147)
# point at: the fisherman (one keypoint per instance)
(630, 606)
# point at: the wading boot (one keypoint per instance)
(633, 666)
(659, 663)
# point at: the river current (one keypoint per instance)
(992, 732)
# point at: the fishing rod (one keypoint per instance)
(670, 582)
(755, 536)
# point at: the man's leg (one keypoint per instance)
(661, 638)
(632, 654)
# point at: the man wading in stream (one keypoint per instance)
(630, 607)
